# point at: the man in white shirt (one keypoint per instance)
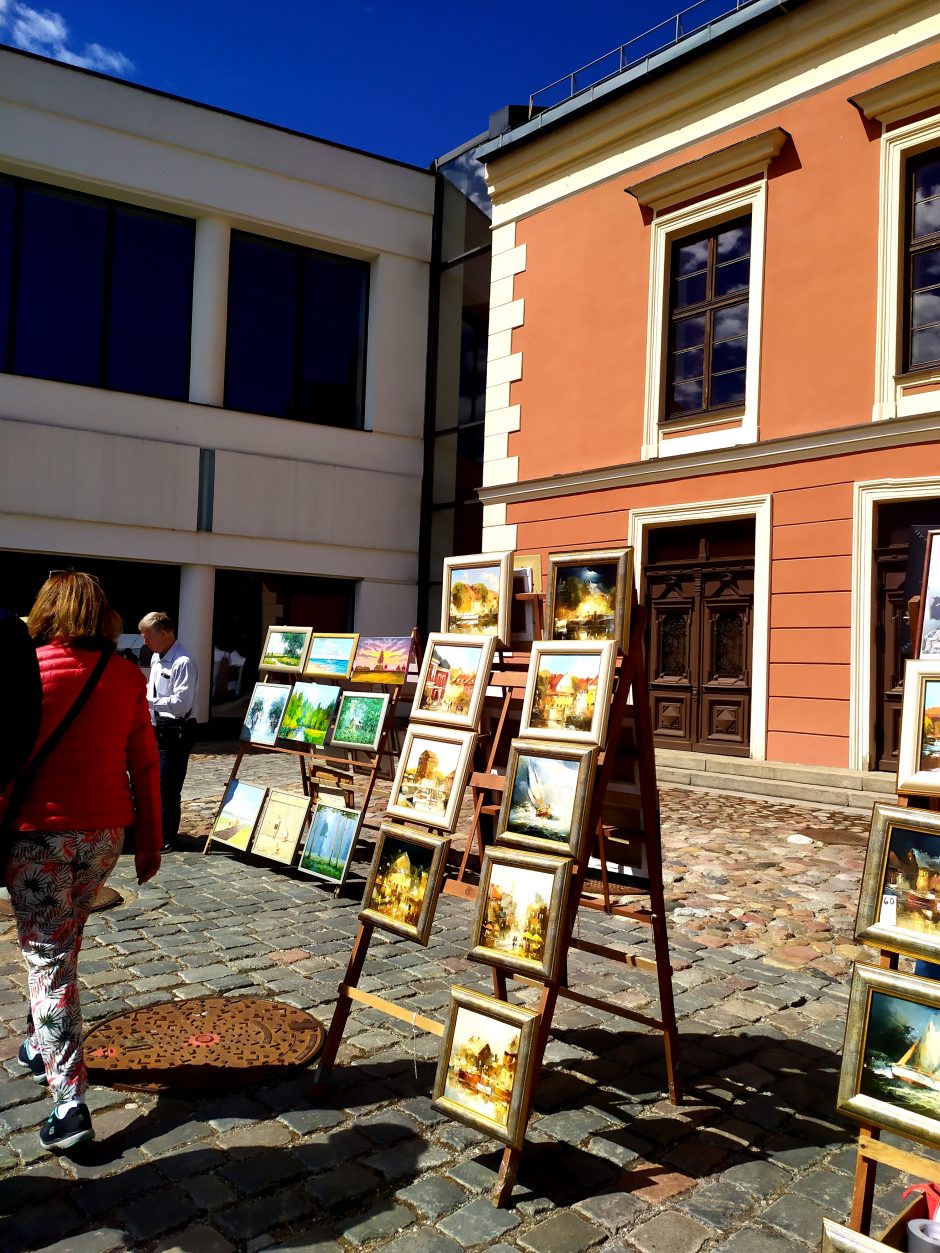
(171, 695)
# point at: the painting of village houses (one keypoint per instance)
(453, 679)
(382, 659)
(474, 601)
(519, 910)
(911, 891)
(430, 779)
(404, 882)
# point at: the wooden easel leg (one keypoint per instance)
(863, 1194)
(233, 774)
(343, 1005)
(506, 1180)
(667, 1008)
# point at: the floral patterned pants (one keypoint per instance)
(53, 878)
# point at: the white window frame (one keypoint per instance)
(897, 147)
(713, 430)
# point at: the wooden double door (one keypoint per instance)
(698, 587)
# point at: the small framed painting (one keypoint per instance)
(533, 563)
(330, 842)
(899, 903)
(238, 814)
(567, 694)
(484, 1072)
(546, 796)
(405, 881)
(431, 776)
(919, 746)
(890, 1075)
(280, 826)
(930, 599)
(360, 720)
(308, 713)
(382, 659)
(285, 648)
(476, 595)
(453, 679)
(330, 656)
(520, 911)
(522, 612)
(265, 711)
(588, 595)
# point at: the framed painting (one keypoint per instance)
(890, 1075)
(330, 842)
(521, 612)
(382, 659)
(839, 1239)
(453, 679)
(546, 797)
(533, 563)
(330, 656)
(285, 648)
(899, 902)
(930, 599)
(919, 745)
(308, 713)
(405, 881)
(238, 814)
(484, 1072)
(360, 719)
(520, 910)
(265, 711)
(588, 595)
(476, 595)
(567, 693)
(431, 776)
(280, 826)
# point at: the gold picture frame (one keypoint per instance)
(588, 595)
(919, 745)
(484, 1071)
(899, 902)
(453, 679)
(476, 594)
(546, 797)
(330, 654)
(892, 1053)
(567, 693)
(520, 911)
(280, 826)
(285, 649)
(431, 791)
(405, 881)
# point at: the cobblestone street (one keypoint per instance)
(762, 899)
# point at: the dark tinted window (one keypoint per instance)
(7, 228)
(922, 347)
(296, 332)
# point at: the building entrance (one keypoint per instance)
(698, 587)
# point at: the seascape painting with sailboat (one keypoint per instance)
(543, 796)
(901, 1063)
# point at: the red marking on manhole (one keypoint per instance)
(103, 1052)
(205, 1040)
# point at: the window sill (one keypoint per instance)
(733, 415)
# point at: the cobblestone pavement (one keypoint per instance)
(761, 899)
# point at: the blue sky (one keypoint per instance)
(410, 79)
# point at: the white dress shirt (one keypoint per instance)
(171, 688)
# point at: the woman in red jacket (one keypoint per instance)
(67, 832)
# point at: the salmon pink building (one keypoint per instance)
(715, 335)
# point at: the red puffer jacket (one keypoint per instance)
(84, 783)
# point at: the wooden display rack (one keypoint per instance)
(626, 761)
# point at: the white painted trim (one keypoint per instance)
(758, 508)
(666, 228)
(509, 263)
(865, 497)
(896, 147)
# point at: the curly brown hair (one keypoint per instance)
(72, 608)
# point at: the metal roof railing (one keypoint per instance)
(640, 48)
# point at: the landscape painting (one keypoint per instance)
(476, 595)
(382, 659)
(238, 814)
(265, 710)
(568, 691)
(330, 842)
(331, 655)
(519, 911)
(285, 648)
(431, 776)
(899, 902)
(308, 713)
(588, 594)
(360, 720)
(405, 881)
(280, 826)
(484, 1070)
(453, 679)
(546, 796)
(919, 743)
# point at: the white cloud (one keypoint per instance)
(46, 32)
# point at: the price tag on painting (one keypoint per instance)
(889, 910)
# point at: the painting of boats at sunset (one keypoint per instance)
(382, 659)
(474, 600)
(901, 1063)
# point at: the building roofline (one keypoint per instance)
(723, 30)
(214, 108)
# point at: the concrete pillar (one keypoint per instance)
(210, 312)
(197, 590)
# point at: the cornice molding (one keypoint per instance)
(900, 98)
(745, 159)
(838, 442)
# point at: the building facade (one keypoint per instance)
(715, 335)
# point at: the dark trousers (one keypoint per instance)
(175, 742)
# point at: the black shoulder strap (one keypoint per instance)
(25, 778)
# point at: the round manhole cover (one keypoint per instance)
(206, 1043)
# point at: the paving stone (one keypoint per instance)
(758, 1240)
(304, 1121)
(719, 1204)
(433, 1196)
(478, 1223)
(163, 1210)
(208, 1192)
(198, 1239)
(670, 1232)
(101, 1240)
(562, 1233)
(424, 1240)
(386, 1220)
(346, 1183)
(408, 1157)
(258, 1216)
(797, 1216)
(759, 1178)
